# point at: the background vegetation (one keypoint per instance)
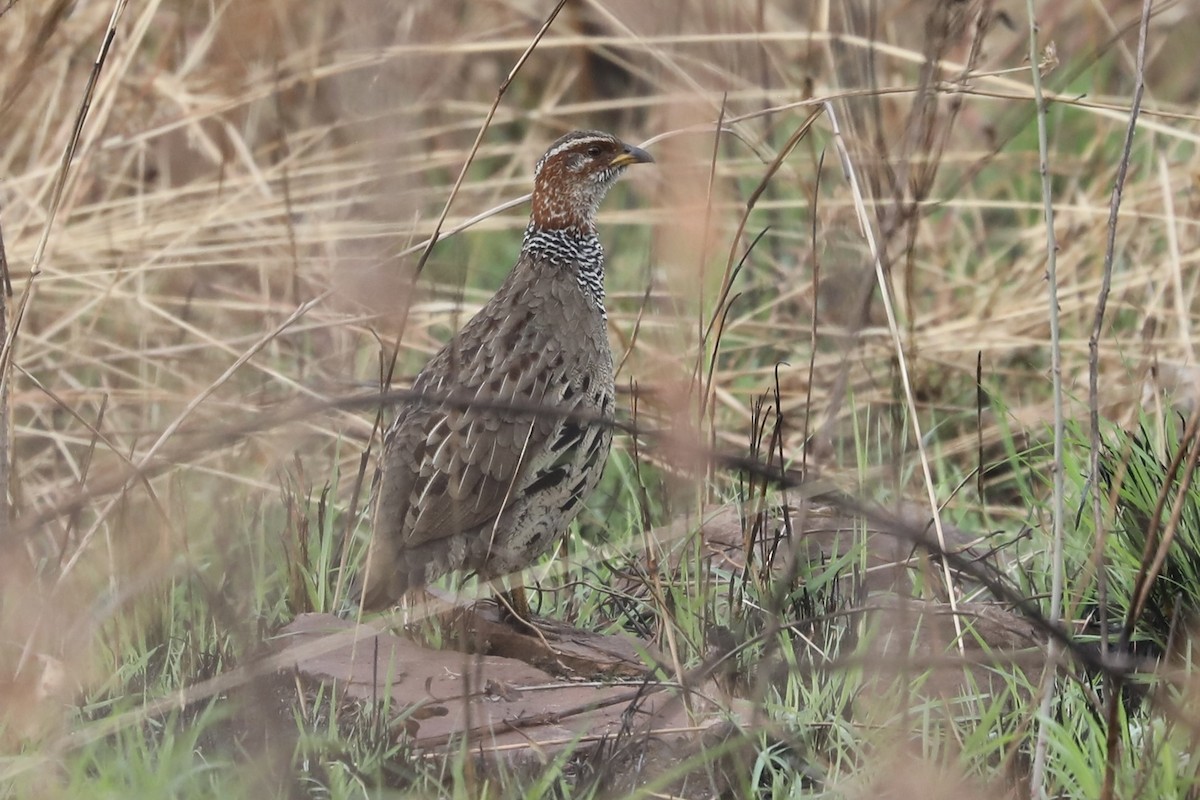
(208, 288)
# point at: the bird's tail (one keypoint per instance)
(384, 578)
(375, 592)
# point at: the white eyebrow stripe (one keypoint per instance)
(570, 143)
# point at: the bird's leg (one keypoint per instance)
(514, 606)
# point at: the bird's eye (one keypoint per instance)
(593, 151)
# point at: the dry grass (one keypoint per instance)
(240, 228)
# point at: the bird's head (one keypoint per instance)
(573, 176)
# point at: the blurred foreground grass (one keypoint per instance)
(227, 244)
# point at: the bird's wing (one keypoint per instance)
(449, 469)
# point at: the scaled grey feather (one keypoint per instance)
(455, 486)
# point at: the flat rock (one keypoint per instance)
(503, 705)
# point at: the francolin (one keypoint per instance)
(491, 487)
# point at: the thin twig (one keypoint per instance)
(1110, 246)
(732, 263)
(5, 408)
(910, 400)
(487, 121)
(64, 168)
(1037, 773)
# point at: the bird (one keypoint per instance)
(505, 437)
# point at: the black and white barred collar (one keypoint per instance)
(575, 249)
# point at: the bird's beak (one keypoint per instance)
(631, 155)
